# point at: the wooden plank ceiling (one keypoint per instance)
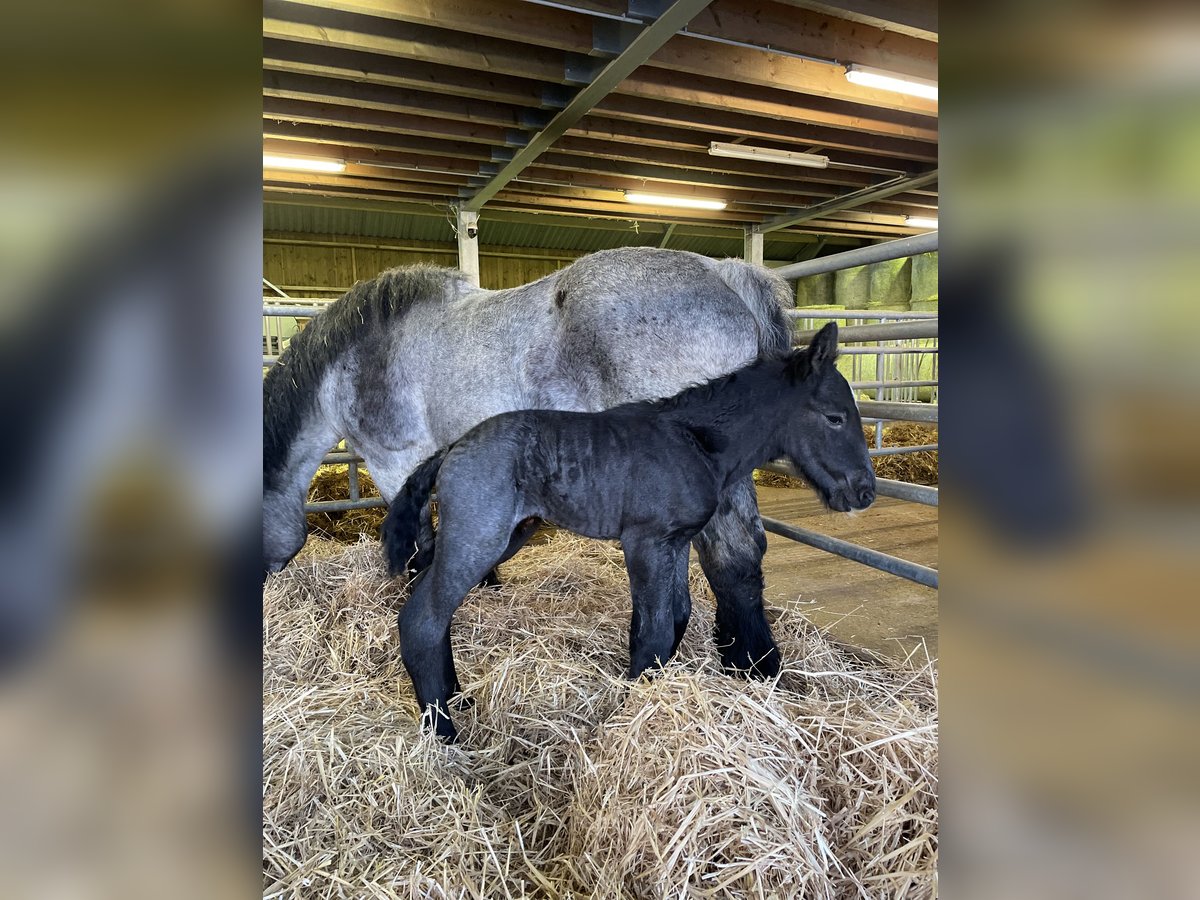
(431, 101)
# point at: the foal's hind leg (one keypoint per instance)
(731, 549)
(467, 546)
(654, 630)
(520, 537)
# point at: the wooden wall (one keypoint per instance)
(306, 265)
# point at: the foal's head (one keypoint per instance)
(822, 433)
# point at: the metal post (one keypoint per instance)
(467, 225)
(752, 245)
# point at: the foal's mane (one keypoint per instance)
(290, 387)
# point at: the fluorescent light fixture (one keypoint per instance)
(920, 222)
(888, 81)
(766, 154)
(302, 165)
(661, 200)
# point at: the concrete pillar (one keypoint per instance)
(752, 245)
(468, 244)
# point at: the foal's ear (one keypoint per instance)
(817, 356)
(823, 349)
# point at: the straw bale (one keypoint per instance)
(568, 781)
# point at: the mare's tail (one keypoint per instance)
(403, 523)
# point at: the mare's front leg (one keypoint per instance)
(653, 578)
(731, 549)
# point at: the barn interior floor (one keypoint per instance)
(859, 605)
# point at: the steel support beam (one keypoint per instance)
(467, 229)
(849, 201)
(752, 245)
(909, 246)
(640, 49)
(666, 238)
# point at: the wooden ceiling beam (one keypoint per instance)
(917, 18)
(693, 159)
(712, 93)
(353, 137)
(852, 200)
(682, 137)
(371, 68)
(744, 123)
(384, 38)
(484, 28)
(820, 35)
(329, 114)
(386, 98)
(391, 159)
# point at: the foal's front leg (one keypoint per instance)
(653, 578)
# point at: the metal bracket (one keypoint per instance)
(514, 138)
(535, 119)
(581, 69)
(555, 96)
(501, 154)
(648, 9)
(611, 38)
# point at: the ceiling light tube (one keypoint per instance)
(662, 200)
(889, 81)
(920, 222)
(303, 165)
(768, 154)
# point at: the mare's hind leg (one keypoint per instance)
(653, 627)
(681, 598)
(731, 549)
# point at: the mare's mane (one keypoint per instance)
(290, 388)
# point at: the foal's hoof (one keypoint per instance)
(764, 666)
(461, 702)
(438, 721)
(490, 580)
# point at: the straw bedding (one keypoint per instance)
(569, 782)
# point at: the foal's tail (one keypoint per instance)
(403, 523)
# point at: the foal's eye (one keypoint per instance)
(835, 419)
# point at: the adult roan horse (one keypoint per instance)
(649, 473)
(405, 364)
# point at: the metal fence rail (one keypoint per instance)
(905, 325)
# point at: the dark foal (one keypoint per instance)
(650, 474)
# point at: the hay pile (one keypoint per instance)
(915, 468)
(333, 483)
(569, 782)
